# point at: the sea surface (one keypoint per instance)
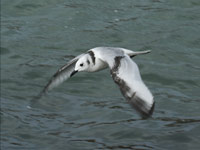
(88, 112)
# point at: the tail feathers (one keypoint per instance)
(133, 53)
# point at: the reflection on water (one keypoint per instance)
(88, 111)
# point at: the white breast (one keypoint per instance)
(99, 65)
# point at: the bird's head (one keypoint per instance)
(83, 64)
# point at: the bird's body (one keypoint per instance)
(123, 69)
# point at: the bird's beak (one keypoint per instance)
(73, 73)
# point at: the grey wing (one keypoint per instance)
(61, 75)
(126, 75)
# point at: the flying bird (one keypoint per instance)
(123, 69)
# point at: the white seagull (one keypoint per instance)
(123, 69)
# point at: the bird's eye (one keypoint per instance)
(81, 64)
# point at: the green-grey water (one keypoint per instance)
(88, 111)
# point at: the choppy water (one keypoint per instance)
(88, 111)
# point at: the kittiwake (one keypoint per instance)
(123, 69)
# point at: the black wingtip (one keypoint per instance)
(36, 99)
(152, 109)
(146, 115)
(141, 107)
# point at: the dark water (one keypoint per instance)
(88, 111)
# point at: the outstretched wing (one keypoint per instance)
(61, 75)
(126, 75)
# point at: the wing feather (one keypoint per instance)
(126, 75)
(61, 75)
